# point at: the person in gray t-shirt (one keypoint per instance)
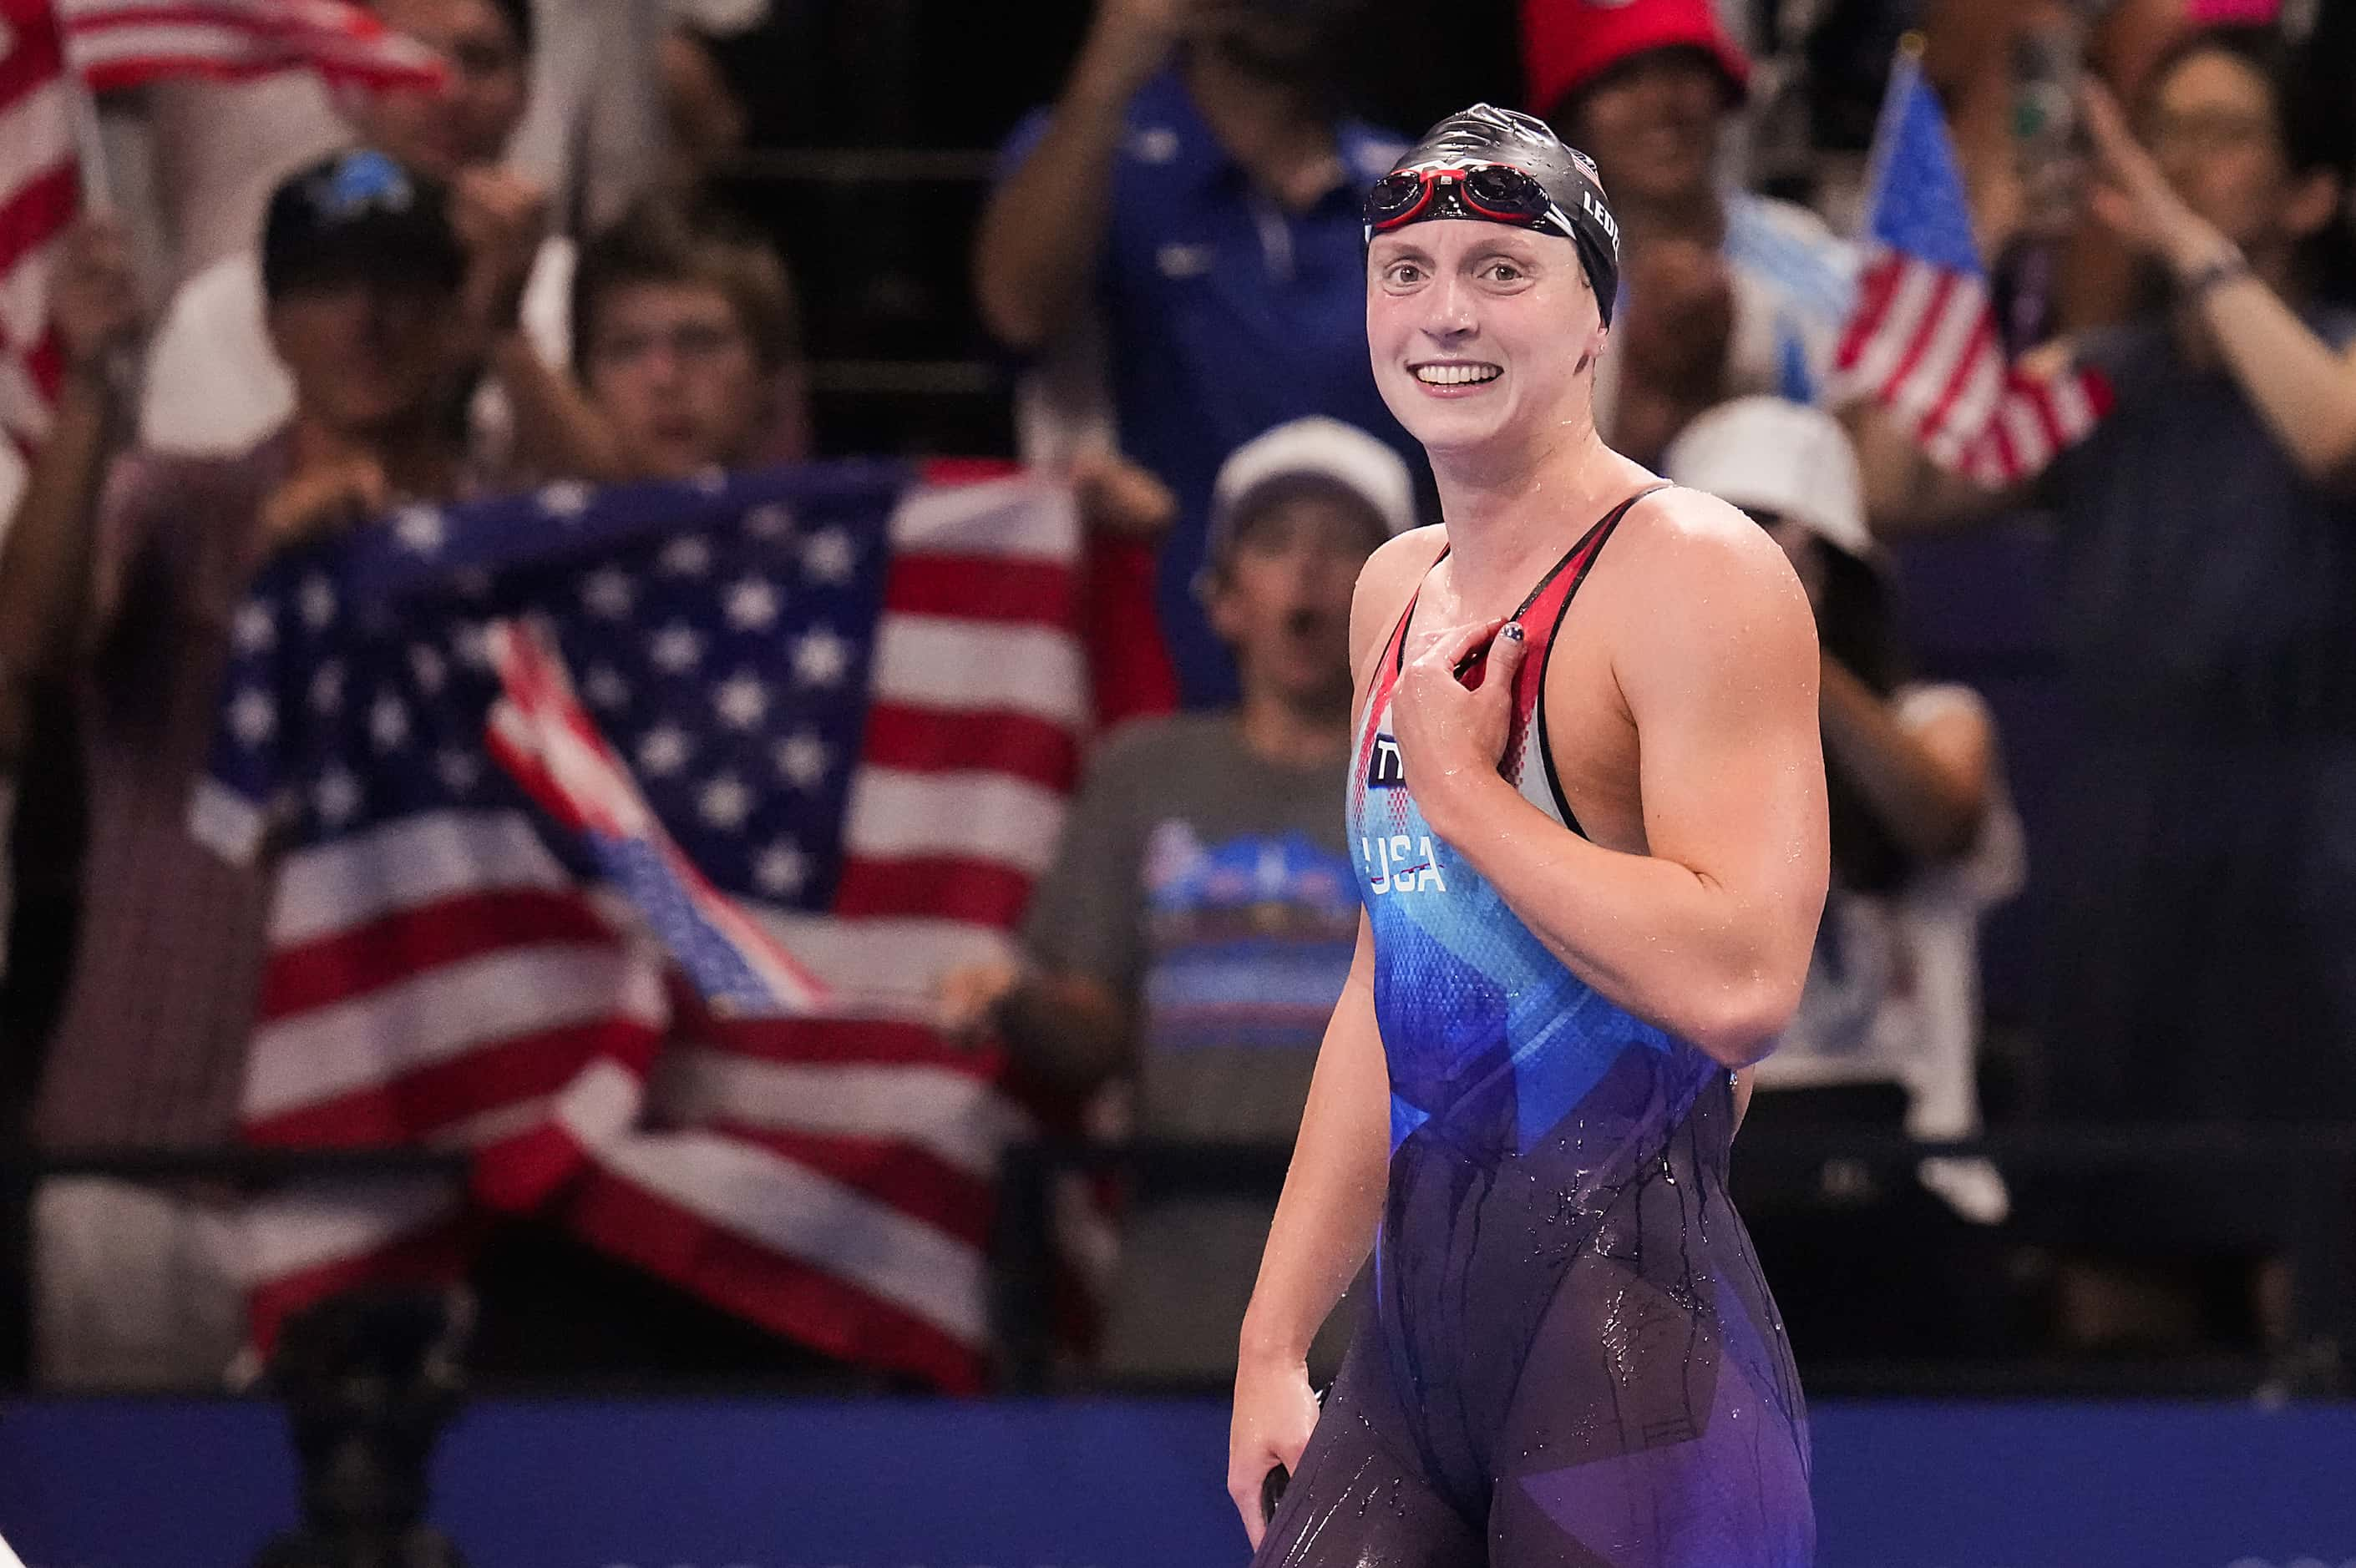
(1201, 915)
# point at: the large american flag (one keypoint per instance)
(40, 191)
(1923, 338)
(127, 43)
(852, 695)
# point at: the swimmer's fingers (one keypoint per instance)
(1447, 648)
(1246, 1477)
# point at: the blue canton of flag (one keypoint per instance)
(719, 634)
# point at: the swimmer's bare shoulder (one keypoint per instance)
(1685, 567)
(1385, 584)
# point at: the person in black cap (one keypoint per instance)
(1586, 796)
(138, 599)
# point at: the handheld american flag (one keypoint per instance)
(40, 191)
(827, 721)
(127, 43)
(1923, 337)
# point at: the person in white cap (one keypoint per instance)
(1925, 840)
(1198, 923)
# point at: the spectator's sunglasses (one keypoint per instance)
(1498, 192)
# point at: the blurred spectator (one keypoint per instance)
(686, 340)
(215, 386)
(701, 111)
(2208, 888)
(1722, 292)
(1201, 917)
(1925, 840)
(1197, 188)
(363, 275)
(2203, 879)
(44, 550)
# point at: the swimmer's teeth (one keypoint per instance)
(1456, 375)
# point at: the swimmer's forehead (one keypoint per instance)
(1509, 238)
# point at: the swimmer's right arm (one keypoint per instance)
(1323, 1229)
(1324, 1223)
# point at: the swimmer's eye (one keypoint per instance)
(1400, 274)
(1505, 272)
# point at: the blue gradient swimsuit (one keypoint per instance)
(1572, 1357)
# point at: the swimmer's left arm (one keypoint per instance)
(1709, 933)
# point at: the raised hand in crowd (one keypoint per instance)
(1045, 224)
(94, 294)
(45, 571)
(2215, 164)
(501, 219)
(1127, 42)
(1121, 497)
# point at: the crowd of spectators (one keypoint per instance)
(430, 304)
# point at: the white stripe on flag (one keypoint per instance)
(1900, 321)
(2074, 411)
(405, 865)
(883, 969)
(779, 1203)
(1950, 338)
(961, 1118)
(981, 667)
(2025, 429)
(310, 1227)
(1019, 516)
(36, 137)
(1974, 406)
(895, 815)
(97, 49)
(434, 1015)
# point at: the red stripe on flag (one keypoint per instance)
(933, 740)
(768, 1288)
(982, 587)
(403, 946)
(986, 891)
(1978, 351)
(420, 1101)
(2048, 419)
(847, 1041)
(903, 1178)
(38, 211)
(967, 470)
(517, 1175)
(1876, 289)
(435, 1256)
(33, 56)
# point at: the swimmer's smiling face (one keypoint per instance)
(1481, 333)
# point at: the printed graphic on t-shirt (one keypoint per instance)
(1248, 939)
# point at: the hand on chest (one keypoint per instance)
(1561, 735)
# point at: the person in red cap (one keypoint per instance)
(1724, 292)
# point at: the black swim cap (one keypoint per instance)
(1484, 137)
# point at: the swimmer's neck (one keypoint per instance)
(1512, 513)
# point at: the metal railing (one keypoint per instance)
(2306, 1210)
(2306, 1175)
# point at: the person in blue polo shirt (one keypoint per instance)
(1184, 216)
